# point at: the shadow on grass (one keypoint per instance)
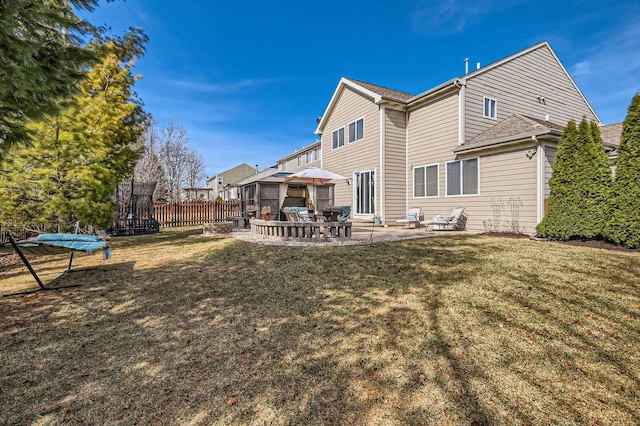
(402, 333)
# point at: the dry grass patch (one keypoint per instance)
(181, 329)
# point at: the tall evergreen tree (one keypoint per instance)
(623, 226)
(579, 185)
(43, 56)
(72, 168)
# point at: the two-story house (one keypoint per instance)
(222, 184)
(485, 141)
(309, 156)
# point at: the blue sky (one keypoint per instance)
(248, 79)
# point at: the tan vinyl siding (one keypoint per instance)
(395, 163)
(507, 186)
(516, 86)
(432, 134)
(357, 156)
(508, 189)
(507, 199)
(550, 158)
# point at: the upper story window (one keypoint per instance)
(220, 180)
(311, 156)
(490, 109)
(425, 181)
(318, 153)
(338, 138)
(463, 177)
(300, 162)
(356, 130)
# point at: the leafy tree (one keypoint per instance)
(623, 226)
(71, 170)
(42, 60)
(580, 182)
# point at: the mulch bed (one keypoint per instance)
(599, 244)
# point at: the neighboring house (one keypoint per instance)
(222, 183)
(611, 135)
(485, 141)
(309, 156)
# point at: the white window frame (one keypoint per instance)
(335, 138)
(491, 113)
(446, 182)
(356, 137)
(300, 163)
(425, 167)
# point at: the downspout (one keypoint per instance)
(408, 178)
(382, 172)
(540, 179)
(462, 85)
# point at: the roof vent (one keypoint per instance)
(466, 65)
(478, 66)
(546, 117)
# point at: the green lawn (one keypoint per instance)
(177, 328)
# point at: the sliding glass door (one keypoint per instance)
(364, 186)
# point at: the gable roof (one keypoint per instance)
(380, 93)
(243, 165)
(514, 129)
(384, 92)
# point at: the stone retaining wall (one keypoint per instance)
(217, 228)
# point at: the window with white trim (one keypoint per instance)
(300, 162)
(463, 177)
(425, 181)
(338, 138)
(356, 130)
(490, 109)
(310, 155)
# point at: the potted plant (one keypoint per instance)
(266, 210)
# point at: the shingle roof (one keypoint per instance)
(611, 134)
(384, 91)
(515, 125)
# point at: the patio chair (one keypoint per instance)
(287, 213)
(303, 215)
(412, 218)
(455, 221)
(344, 216)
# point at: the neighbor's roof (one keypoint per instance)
(515, 128)
(611, 135)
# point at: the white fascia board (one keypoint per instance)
(334, 99)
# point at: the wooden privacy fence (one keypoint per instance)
(195, 212)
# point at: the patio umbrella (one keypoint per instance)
(314, 176)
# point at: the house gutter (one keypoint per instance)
(541, 177)
(462, 85)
